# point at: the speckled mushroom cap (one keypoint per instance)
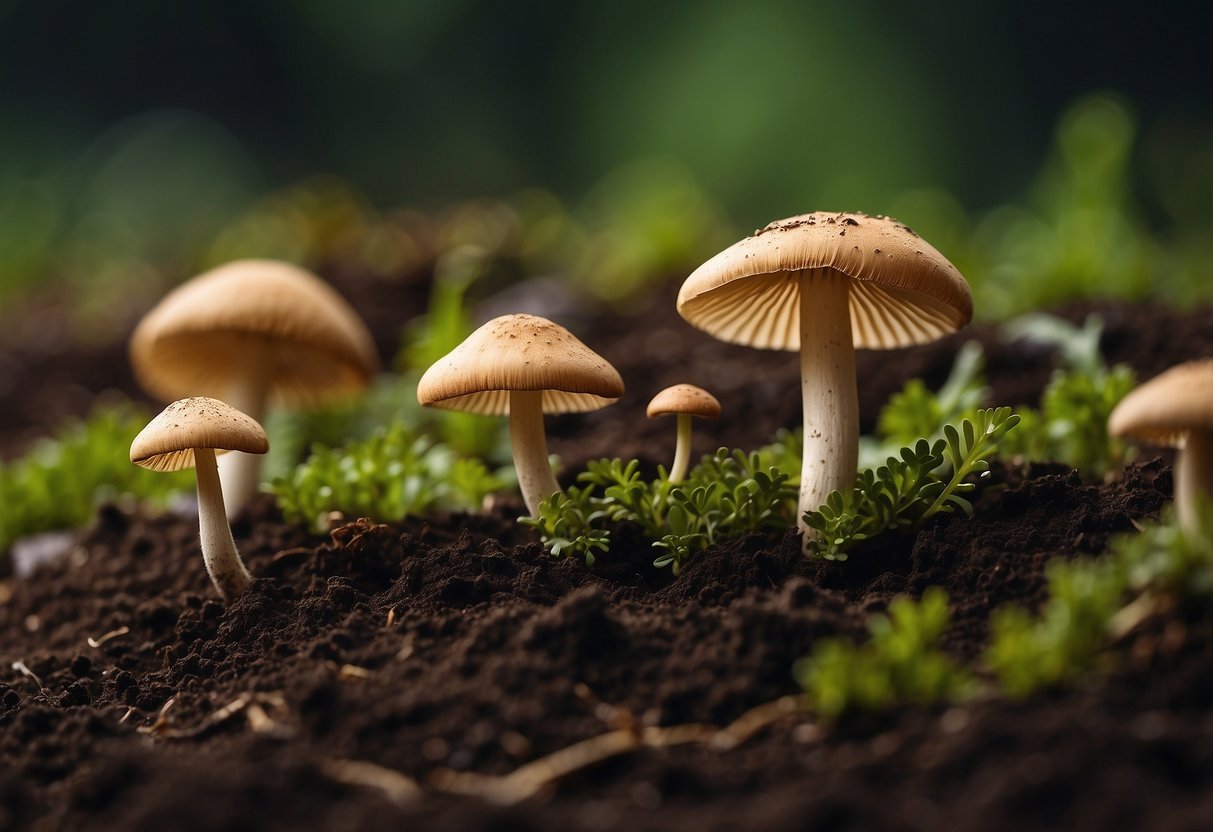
(520, 352)
(1163, 410)
(684, 398)
(168, 441)
(201, 332)
(903, 291)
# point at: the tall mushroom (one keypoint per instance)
(1175, 409)
(187, 434)
(248, 332)
(685, 400)
(523, 366)
(824, 284)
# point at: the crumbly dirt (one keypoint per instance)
(366, 667)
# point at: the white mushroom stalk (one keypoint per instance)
(829, 392)
(187, 434)
(682, 449)
(248, 392)
(530, 446)
(1194, 480)
(219, 553)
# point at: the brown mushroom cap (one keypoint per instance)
(903, 291)
(520, 352)
(168, 441)
(314, 343)
(1163, 410)
(684, 398)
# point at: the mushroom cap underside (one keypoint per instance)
(902, 290)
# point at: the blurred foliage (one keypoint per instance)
(1071, 426)
(1094, 602)
(62, 480)
(901, 663)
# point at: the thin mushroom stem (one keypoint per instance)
(535, 477)
(828, 388)
(240, 472)
(1193, 479)
(682, 449)
(223, 562)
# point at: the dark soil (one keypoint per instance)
(457, 644)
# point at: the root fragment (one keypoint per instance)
(396, 787)
(252, 705)
(112, 634)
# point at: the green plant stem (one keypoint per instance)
(535, 477)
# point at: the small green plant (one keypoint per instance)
(60, 482)
(1090, 602)
(911, 488)
(901, 664)
(1071, 426)
(393, 474)
(727, 495)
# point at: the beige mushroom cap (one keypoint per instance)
(315, 344)
(168, 441)
(903, 291)
(520, 352)
(1163, 410)
(684, 398)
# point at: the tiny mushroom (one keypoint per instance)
(685, 400)
(246, 332)
(824, 284)
(523, 366)
(187, 434)
(1175, 409)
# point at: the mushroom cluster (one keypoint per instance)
(254, 331)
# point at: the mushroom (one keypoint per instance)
(824, 284)
(246, 332)
(187, 434)
(1175, 409)
(523, 366)
(685, 400)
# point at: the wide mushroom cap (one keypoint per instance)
(168, 441)
(903, 291)
(312, 342)
(684, 398)
(517, 353)
(1163, 410)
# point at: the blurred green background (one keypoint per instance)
(138, 138)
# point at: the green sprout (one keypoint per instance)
(901, 664)
(919, 483)
(395, 473)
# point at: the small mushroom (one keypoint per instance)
(1175, 409)
(187, 434)
(248, 332)
(824, 284)
(685, 400)
(523, 366)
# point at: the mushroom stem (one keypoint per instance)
(682, 449)
(240, 472)
(535, 477)
(219, 553)
(828, 391)
(1193, 479)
